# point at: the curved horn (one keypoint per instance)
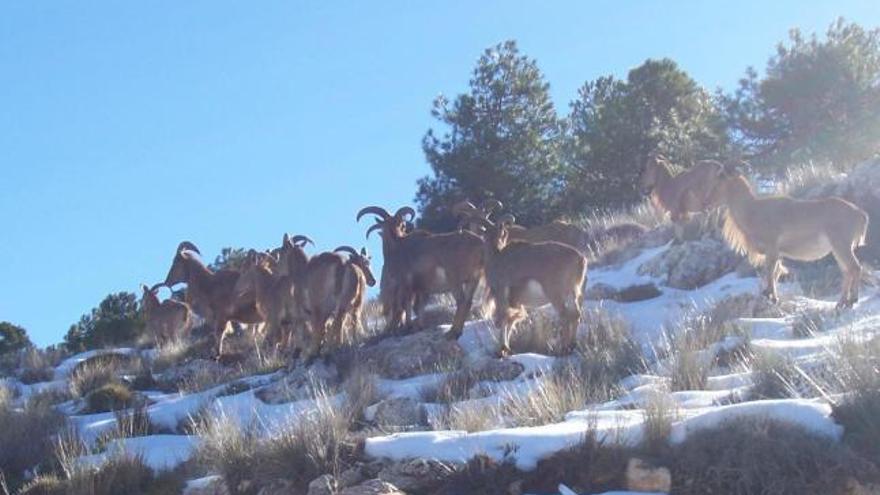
(464, 207)
(188, 246)
(347, 249)
(155, 286)
(405, 211)
(302, 240)
(506, 219)
(373, 228)
(375, 210)
(491, 205)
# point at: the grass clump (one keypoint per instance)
(857, 376)
(470, 417)
(298, 451)
(773, 376)
(746, 457)
(26, 437)
(109, 397)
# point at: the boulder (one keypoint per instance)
(411, 355)
(690, 265)
(326, 484)
(416, 475)
(632, 293)
(641, 476)
(398, 412)
(372, 487)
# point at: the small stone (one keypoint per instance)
(643, 477)
(372, 487)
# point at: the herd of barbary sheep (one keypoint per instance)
(295, 297)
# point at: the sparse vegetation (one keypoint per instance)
(108, 397)
(761, 456)
(773, 376)
(297, 450)
(26, 436)
(468, 416)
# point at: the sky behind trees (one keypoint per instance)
(128, 127)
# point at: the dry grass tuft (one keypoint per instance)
(108, 397)
(299, 450)
(661, 411)
(773, 376)
(746, 457)
(857, 375)
(468, 416)
(26, 437)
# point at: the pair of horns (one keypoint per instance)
(382, 213)
(188, 246)
(297, 240)
(153, 288)
(350, 250)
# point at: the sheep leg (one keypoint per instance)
(773, 270)
(852, 276)
(570, 314)
(502, 322)
(464, 298)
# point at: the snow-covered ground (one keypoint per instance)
(619, 420)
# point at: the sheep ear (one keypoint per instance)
(364, 252)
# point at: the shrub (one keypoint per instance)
(298, 450)
(116, 321)
(94, 373)
(46, 484)
(26, 437)
(856, 370)
(773, 376)
(470, 417)
(13, 338)
(108, 397)
(660, 412)
(689, 370)
(746, 457)
(35, 366)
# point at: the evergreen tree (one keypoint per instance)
(614, 125)
(818, 101)
(502, 140)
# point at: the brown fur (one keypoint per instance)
(211, 294)
(334, 289)
(682, 194)
(767, 229)
(420, 264)
(274, 296)
(514, 272)
(166, 319)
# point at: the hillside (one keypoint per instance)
(683, 375)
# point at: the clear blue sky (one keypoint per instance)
(126, 127)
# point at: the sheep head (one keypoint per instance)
(361, 260)
(391, 226)
(178, 272)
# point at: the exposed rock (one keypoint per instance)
(326, 484)
(212, 485)
(411, 355)
(298, 384)
(747, 305)
(372, 487)
(416, 475)
(632, 293)
(855, 487)
(498, 370)
(690, 265)
(643, 477)
(190, 372)
(398, 412)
